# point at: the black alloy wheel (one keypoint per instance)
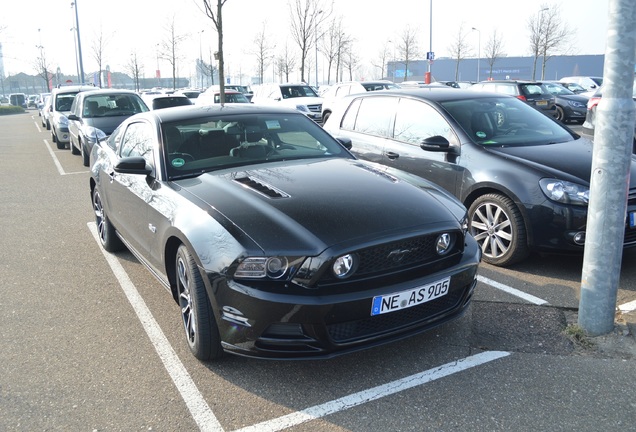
(200, 327)
(107, 236)
(497, 225)
(559, 114)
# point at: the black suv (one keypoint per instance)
(533, 93)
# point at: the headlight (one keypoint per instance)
(576, 104)
(63, 121)
(262, 267)
(345, 265)
(92, 134)
(565, 192)
(302, 108)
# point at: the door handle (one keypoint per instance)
(392, 155)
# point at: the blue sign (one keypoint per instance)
(430, 55)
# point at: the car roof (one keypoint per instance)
(74, 89)
(107, 91)
(437, 94)
(193, 112)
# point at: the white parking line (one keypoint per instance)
(201, 412)
(374, 393)
(57, 161)
(628, 307)
(515, 292)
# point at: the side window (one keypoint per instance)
(349, 120)
(506, 89)
(137, 141)
(375, 115)
(416, 121)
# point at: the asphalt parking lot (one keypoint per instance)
(90, 341)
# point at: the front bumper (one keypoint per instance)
(296, 325)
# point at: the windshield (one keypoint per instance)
(192, 147)
(297, 91)
(505, 122)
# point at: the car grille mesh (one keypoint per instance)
(317, 108)
(397, 256)
(375, 325)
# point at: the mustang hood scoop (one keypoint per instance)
(261, 187)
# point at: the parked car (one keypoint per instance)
(45, 113)
(338, 90)
(573, 87)
(587, 82)
(299, 96)
(263, 248)
(61, 101)
(40, 101)
(245, 89)
(590, 117)
(523, 176)
(95, 114)
(165, 100)
(18, 99)
(212, 96)
(189, 93)
(570, 107)
(533, 93)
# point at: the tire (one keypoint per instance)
(559, 114)
(200, 327)
(85, 156)
(48, 125)
(107, 236)
(498, 226)
(74, 150)
(325, 117)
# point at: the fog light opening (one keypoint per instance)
(579, 238)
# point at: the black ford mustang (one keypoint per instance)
(275, 241)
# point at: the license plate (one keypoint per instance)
(542, 103)
(632, 219)
(409, 298)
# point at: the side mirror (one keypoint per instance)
(133, 165)
(435, 143)
(72, 117)
(346, 142)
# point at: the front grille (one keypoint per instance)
(315, 108)
(379, 324)
(400, 255)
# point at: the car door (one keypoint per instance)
(129, 194)
(415, 121)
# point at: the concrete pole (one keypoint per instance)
(79, 45)
(614, 131)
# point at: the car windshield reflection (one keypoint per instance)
(195, 146)
(505, 122)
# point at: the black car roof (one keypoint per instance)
(202, 111)
(436, 94)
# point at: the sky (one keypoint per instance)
(139, 26)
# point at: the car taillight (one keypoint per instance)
(593, 102)
(522, 97)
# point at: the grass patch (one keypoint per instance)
(578, 336)
(10, 109)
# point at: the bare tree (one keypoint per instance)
(170, 48)
(263, 52)
(383, 59)
(493, 50)
(216, 15)
(556, 37)
(285, 64)
(459, 49)
(332, 44)
(42, 67)
(407, 48)
(99, 46)
(134, 68)
(305, 17)
(350, 60)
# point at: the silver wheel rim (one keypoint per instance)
(492, 229)
(99, 217)
(185, 301)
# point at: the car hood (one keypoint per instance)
(105, 124)
(305, 207)
(576, 98)
(302, 101)
(570, 160)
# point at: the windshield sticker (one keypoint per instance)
(480, 134)
(272, 124)
(178, 162)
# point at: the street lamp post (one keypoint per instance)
(478, 49)
(79, 43)
(200, 65)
